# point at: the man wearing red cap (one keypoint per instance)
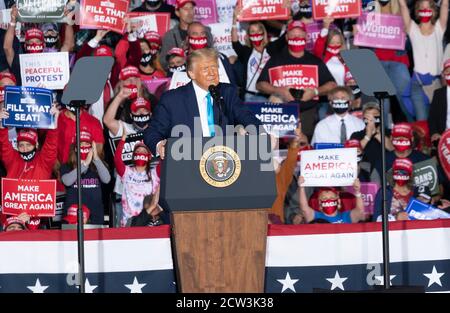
(72, 214)
(14, 223)
(295, 53)
(176, 59)
(439, 117)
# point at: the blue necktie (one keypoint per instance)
(210, 112)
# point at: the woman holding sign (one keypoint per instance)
(330, 204)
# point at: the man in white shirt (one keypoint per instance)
(338, 128)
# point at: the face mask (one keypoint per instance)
(376, 120)
(34, 47)
(28, 156)
(425, 15)
(329, 206)
(140, 120)
(134, 91)
(333, 49)
(447, 79)
(153, 3)
(140, 159)
(84, 151)
(181, 68)
(146, 59)
(340, 106)
(296, 44)
(401, 145)
(256, 39)
(359, 157)
(305, 11)
(50, 41)
(356, 92)
(384, 2)
(198, 43)
(401, 178)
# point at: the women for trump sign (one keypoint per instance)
(329, 168)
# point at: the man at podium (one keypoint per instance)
(203, 102)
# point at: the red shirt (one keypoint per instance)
(392, 55)
(156, 74)
(66, 127)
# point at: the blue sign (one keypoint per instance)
(418, 210)
(29, 107)
(324, 145)
(279, 119)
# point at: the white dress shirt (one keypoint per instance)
(200, 95)
(328, 130)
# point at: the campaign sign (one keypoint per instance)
(297, 76)
(205, 11)
(336, 8)
(50, 69)
(156, 86)
(312, 33)
(368, 194)
(222, 37)
(40, 10)
(128, 148)
(142, 22)
(34, 197)
(444, 152)
(279, 119)
(256, 10)
(418, 210)
(332, 167)
(380, 31)
(325, 145)
(29, 107)
(104, 14)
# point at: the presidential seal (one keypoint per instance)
(220, 166)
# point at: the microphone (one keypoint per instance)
(218, 99)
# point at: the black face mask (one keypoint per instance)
(384, 2)
(146, 59)
(140, 120)
(304, 11)
(340, 106)
(376, 120)
(356, 91)
(51, 41)
(181, 68)
(153, 4)
(28, 156)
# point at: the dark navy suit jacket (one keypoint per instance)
(179, 107)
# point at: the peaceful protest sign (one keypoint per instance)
(205, 11)
(297, 76)
(28, 107)
(368, 194)
(104, 14)
(336, 8)
(380, 31)
(222, 38)
(40, 10)
(418, 210)
(128, 148)
(34, 197)
(444, 152)
(143, 22)
(50, 69)
(329, 168)
(255, 10)
(278, 119)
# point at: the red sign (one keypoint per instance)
(143, 22)
(104, 14)
(336, 8)
(297, 76)
(254, 10)
(444, 152)
(34, 197)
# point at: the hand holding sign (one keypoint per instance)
(327, 21)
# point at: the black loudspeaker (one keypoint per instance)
(377, 289)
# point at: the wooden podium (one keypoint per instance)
(219, 224)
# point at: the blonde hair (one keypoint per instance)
(335, 32)
(205, 53)
(261, 27)
(337, 89)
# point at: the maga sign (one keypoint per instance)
(418, 210)
(332, 167)
(336, 8)
(50, 69)
(104, 14)
(34, 197)
(128, 148)
(279, 119)
(297, 76)
(255, 10)
(29, 107)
